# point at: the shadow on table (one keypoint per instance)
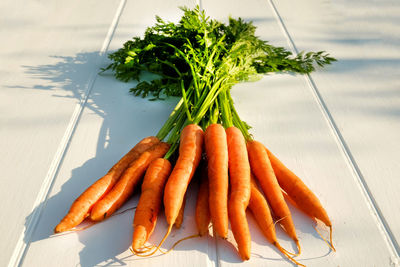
(125, 120)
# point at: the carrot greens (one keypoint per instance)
(200, 59)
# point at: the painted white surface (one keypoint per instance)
(281, 108)
(361, 90)
(48, 51)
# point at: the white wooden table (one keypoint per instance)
(62, 126)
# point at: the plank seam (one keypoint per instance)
(382, 224)
(22, 247)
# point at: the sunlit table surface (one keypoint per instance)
(62, 126)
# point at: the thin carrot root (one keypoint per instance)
(148, 248)
(287, 254)
(298, 248)
(330, 238)
(144, 249)
(179, 241)
(277, 221)
(158, 246)
(296, 241)
(330, 242)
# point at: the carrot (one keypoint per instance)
(179, 219)
(261, 166)
(239, 173)
(149, 202)
(217, 157)
(260, 209)
(299, 193)
(190, 149)
(202, 207)
(202, 214)
(82, 205)
(127, 183)
(261, 212)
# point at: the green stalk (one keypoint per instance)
(175, 135)
(214, 113)
(208, 100)
(243, 127)
(170, 123)
(185, 102)
(200, 111)
(226, 114)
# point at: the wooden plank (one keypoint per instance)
(361, 89)
(48, 53)
(112, 122)
(286, 117)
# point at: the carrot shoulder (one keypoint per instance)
(82, 205)
(262, 169)
(239, 173)
(127, 183)
(150, 201)
(190, 149)
(217, 160)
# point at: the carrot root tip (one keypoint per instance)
(330, 242)
(158, 246)
(288, 254)
(298, 248)
(179, 241)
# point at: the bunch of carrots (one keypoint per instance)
(200, 60)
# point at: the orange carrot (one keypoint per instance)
(179, 219)
(239, 173)
(127, 183)
(190, 149)
(299, 193)
(149, 202)
(202, 215)
(261, 212)
(262, 169)
(260, 209)
(82, 205)
(217, 157)
(202, 206)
